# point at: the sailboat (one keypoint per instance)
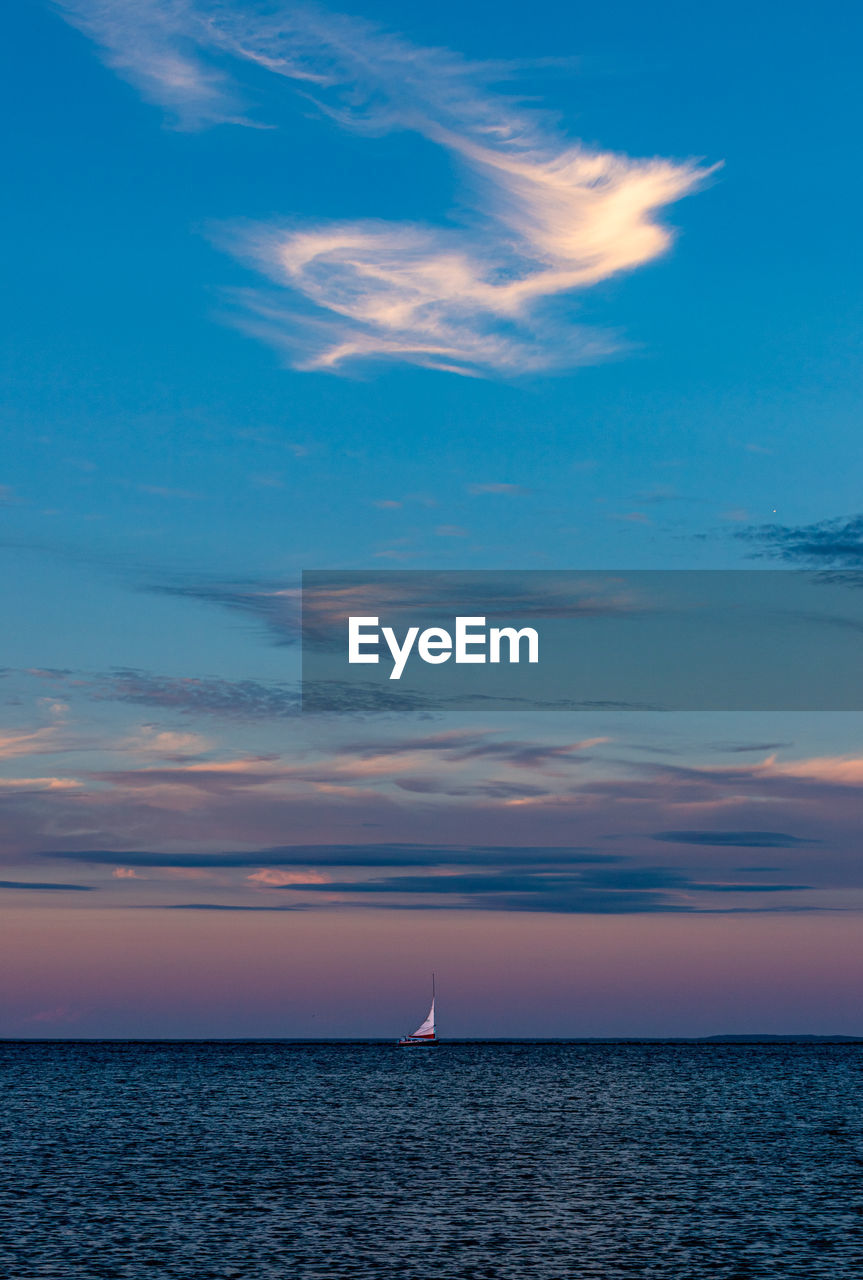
(424, 1033)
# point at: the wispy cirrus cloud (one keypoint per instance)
(159, 48)
(549, 216)
(28, 742)
(193, 695)
(510, 490)
(463, 745)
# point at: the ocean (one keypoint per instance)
(541, 1160)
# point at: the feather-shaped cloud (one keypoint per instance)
(550, 217)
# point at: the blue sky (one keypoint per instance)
(464, 288)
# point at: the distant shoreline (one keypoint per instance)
(726, 1039)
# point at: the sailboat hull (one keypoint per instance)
(409, 1043)
(425, 1032)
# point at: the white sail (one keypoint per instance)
(426, 1029)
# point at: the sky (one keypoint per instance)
(292, 287)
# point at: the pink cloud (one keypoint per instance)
(271, 877)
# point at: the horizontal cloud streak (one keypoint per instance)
(352, 855)
(41, 886)
(734, 839)
(226, 906)
(551, 217)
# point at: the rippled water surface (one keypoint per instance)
(258, 1161)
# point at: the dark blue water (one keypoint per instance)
(258, 1161)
